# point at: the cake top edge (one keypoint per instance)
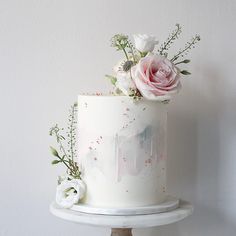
(120, 97)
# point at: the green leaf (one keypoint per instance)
(143, 54)
(186, 61)
(54, 162)
(185, 72)
(54, 152)
(111, 78)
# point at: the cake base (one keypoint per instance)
(170, 204)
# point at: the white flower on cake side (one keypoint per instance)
(69, 192)
(144, 43)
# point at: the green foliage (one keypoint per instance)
(135, 94)
(185, 72)
(71, 133)
(66, 157)
(189, 45)
(119, 41)
(170, 40)
(111, 78)
(122, 43)
(54, 162)
(184, 61)
(54, 152)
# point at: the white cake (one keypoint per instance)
(122, 150)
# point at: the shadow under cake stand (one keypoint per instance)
(122, 221)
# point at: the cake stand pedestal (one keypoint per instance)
(123, 225)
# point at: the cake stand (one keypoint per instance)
(122, 225)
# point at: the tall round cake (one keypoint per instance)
(122, 150)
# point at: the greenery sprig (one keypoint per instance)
(71, 133)
(185, 51)
(122, 43)
(135, 94)
(170, 40)
(62, 156)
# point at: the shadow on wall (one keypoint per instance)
(194, 158)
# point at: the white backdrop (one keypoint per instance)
(52, 50)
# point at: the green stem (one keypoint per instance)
(64, 162)
(123, 49)
(132, 52)
(71, 133)
(64, 152)
(168, 42)
(125, 54)
(61, 146)
(177, 63)
(184, 50)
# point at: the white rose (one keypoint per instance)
(124, 83)
(144, 43)
(70, 192)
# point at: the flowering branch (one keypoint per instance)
(132, 49)
(120, 42)
(67, 158)
(72, 131)
(188, 46)
(55, 131)
(173, 36)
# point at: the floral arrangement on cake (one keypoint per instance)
(142, 72)
(154, 75)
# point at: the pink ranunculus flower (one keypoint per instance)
(156, 77)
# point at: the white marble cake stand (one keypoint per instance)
(171, 203)
(122, 225)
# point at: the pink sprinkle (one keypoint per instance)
(98, 94)
(149, 161)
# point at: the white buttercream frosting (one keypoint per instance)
(122, 150)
